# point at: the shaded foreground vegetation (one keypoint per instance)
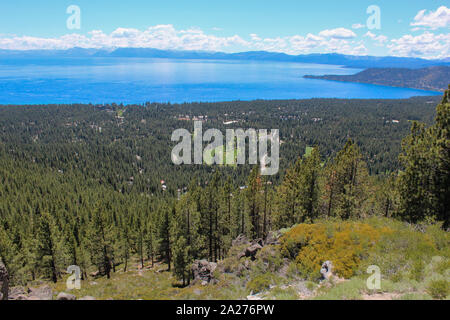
(414, 263)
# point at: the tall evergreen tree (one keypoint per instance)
(254, 200)
(346, 185)
(47, 246)
(423, 185)
(100, 245)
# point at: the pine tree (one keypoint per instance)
(7, 251)
(124, 246)
(309, 185)
(47, 246)
(298, 195)
(210, 216)
(441, 146)
(253, 201)
(415, 182)
(180, 251)
(423, 186)
(150, 241)
(99, 241)
(226, 220)
(346, 185)
(165, 215)
(288, 198)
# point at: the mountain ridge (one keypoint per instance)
(349, 61)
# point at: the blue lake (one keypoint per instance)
(130, 80)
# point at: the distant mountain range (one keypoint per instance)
(431, 78)
(361, 62)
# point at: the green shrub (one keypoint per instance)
(233, 264)
(347, 290)
(311, 286)
(439, 236)
(417, 270)
(292, 271)
(396, 277)
(269, 259)
(443, 267)
(260, 283)
(278, 293)
(438, 289)
(403, 252)
(415, 296)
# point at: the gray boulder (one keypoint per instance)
(17, 293)
(203, 271)
(272, 238)
(87, 298)
(4, 282)
(327, 270)
(252, 250)
(42, 293)
(65, 296)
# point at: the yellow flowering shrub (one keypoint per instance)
(345, 243)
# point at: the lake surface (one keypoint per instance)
(135, 80)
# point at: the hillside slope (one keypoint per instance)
(432, 78)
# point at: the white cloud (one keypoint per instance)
(358, 26)
(427, 45)
(433, 20)
(167, 37)
(340, 40)
(380, 39)
(159, 37)
(359, 50)
(339, 33)
(255, 37)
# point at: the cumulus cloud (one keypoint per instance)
(426, 45)
(339, 33)
(433, 19)
(255, 37)
(358, 26)
(380, 40)
(167, 37)
(159, 37)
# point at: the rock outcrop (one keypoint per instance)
(252, 247)
(204, 271)
(252, 250)
(17, 293)
(327, 270)
(272, 238)
(4, 282)
(65, 296)
(41, 293)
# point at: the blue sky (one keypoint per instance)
(291, 26)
